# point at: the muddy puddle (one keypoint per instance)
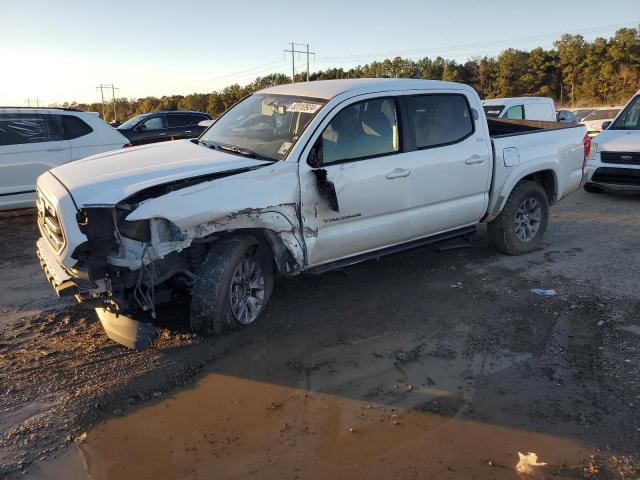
(392, 406)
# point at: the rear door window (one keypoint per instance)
(440, 119)
(19, 128)
(178, 120)
(55, 128)
(195, 119)
(362, 130)
(155, 123)
(515, 113)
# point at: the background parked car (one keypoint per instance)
(582, 112)
(33, 140)
(594, 120)
(161, 126)
(521, 108)
(566, 116)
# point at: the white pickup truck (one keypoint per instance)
(295, 178)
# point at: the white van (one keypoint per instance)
(33, 140)
(614, 162)
(521, 108)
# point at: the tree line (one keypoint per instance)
(574, 73)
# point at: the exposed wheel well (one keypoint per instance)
(547, 179)
(284, 261)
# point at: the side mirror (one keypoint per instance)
(606, 124)
(315, 156)
(139, 128)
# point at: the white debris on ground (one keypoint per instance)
(527, 463)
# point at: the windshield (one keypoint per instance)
(629, 119)
(261, 125)
(602, 114)
(132, 121)
(493, 111)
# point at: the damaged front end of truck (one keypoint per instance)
(145, 250)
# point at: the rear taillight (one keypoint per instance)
(127, 145)
(586, 141)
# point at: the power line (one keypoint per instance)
(248, 70)
(466, 47)
(293, 52)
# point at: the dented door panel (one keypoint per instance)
(372, 209)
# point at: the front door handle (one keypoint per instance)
(56, 149)
(474, 159)
(398, 173)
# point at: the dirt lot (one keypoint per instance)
(423, 365)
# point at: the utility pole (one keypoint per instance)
(113, 88)
(104, 117)
(293, 52)
(113, 95)
(35, 100)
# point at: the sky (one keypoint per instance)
(59, 51)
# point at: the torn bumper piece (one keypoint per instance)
(66, 283)
(58, 277)
(125, 330)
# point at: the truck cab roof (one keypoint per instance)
(328, 89)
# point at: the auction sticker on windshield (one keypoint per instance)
(284, 148)
(304, 107)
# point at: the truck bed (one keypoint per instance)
(553, 147)
(500, 127)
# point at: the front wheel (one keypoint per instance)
(521, 224)
(233, 286)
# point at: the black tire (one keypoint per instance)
(591, 188)
(502, 230)
(211, 300)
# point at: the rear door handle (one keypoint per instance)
(474, 159)
(398, 173)
(56, 149)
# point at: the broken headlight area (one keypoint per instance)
(130, 265)
(110, 234)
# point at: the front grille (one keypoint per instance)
(49, 224)
(617, 176)
(625, 158)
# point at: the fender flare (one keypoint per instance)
(516, 176)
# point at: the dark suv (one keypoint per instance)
(159, 126)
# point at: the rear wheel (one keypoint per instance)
(591, 188)
(521, 225)
(233, 286)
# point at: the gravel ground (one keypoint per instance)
(386, 334)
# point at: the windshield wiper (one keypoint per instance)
(207, 144)
(240, 151)
(245, 152)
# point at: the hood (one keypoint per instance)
(618, 141)
(108, 178)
